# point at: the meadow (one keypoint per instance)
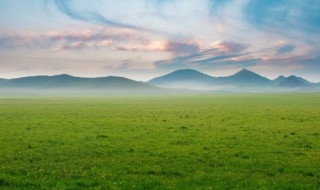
(221, 141)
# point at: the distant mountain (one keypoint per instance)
(193, 79)
(279, 80)
(71, 83)
(44, 81)
(245, 77)
(242, 81)
(182, 75)
(184, 78)
(294, 81)
(2, 80)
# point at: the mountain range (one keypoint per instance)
(188, 78)
(67, 84)
(68, 81)
(242, 81)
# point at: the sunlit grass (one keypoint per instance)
(162, 142)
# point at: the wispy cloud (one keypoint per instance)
(159, 6)
(67, 8)
(284, 15)
(92, 15)
(116, 39)
(143, 46)
(285, 48)
(222, 52)
(182, 48)
(67, 40)
(216, 6)
(231, 47)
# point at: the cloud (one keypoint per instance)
(159, 6)
(24, 68)
(175, 47)
(117, 39)
(231, 47)
(57, 68)
(182, 48)
(217, 62)
(67, 8)
(143, 46)
(307, 64)
(135, 64)
(216, 6)
(285, 48)
(10, 40)
(218, 58)
(222, 54)
(90, 12)
(228, 54)
(74, 46)
(131, 64)
(284, 15)
(208, 58)
(67, 40)
(159, 3)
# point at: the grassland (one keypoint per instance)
(163, 142)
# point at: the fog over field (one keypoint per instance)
(160, 94)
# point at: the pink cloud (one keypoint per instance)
(66, 40)
(181, 47)
(231, 47)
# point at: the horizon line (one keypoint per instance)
(153, 77)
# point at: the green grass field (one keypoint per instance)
(257, 141)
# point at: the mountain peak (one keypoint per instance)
(294, 81)
(280, 77)
(246, 76)
(186, 71)
(182, 75)
(293, 77)
(245, 71)
(63, 76)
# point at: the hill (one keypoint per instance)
(294, 81)
(279, 80)
(67, 83)
(242, 81)
(245, 77)
(179, 81)
(182, 75)
(193, 79)
(184, 78)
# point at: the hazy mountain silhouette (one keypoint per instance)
(279, 80)
(245, 77)
(70, 83)
(242, 81)
(183, 78)
(182, 75)
(188, 76)
(294, 81)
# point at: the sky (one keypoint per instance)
(142, 39)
